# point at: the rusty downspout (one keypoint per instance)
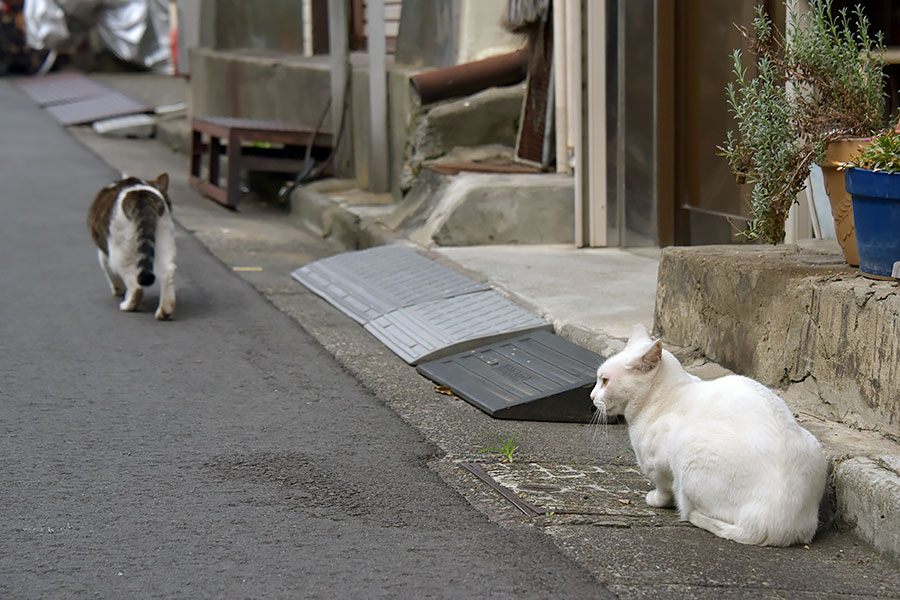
(468, 78)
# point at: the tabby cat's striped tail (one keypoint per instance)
(146, 241)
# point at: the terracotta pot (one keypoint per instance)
(841, 203)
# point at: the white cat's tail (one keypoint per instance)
(755, 536)
(725, 530)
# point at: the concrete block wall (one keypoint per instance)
(786, 316)
(259, 84)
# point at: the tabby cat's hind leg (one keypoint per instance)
(133, 297)
(166, 308)
(116, 285)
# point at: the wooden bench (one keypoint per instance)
(248, 144)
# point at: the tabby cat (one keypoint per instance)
(131, 223)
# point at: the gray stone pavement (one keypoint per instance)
(639, 553)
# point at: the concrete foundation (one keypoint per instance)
(471, 209)
(789, 317)
(490, 117)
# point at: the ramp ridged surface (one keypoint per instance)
(431, 330)
(369, 283)
(60, 87)
(86, 110)
(537, 376)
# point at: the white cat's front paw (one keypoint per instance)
(659, 499)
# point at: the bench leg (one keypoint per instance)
(234, 171)
(215, 152)
(196, 152)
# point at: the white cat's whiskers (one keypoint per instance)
(599, 423)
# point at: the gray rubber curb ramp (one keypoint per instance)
(536, 377)
(369, 283)
(438, 328)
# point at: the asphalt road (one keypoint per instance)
(224, 454)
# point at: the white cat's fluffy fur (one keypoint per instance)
(727, 452)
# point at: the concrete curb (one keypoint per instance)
(867, 493)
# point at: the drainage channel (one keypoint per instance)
(612, 493)
(488, 350)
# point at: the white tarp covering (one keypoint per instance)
(136, 31)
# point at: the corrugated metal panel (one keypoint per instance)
(430, 330)
(57, 88)
(109, 104)
(537, 376)
(369, 283)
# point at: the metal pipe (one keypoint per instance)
(339, 50)
(468, 78)
(378, 142)
(560, 86)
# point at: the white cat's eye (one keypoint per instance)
(604, 381)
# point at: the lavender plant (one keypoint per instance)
(821, 82)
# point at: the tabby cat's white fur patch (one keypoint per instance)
(131, 223)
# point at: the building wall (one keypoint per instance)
(261, 25)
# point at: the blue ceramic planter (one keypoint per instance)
(876, 216)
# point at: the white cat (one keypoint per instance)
(728, 452)
(131, 223)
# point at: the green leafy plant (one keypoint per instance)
(506, 449)
(882, 153)
(821, 82)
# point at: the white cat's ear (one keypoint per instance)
(162, 182)
(648, 359)
(638, 334)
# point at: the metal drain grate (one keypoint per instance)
(538, 376)
(369, 283)
(430, 330)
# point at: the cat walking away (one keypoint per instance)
(728, 452)
(131, 223)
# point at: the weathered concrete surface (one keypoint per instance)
(606, 303)
(783, 316)
(401, 110)
(259, 84)
(233, 24)
(488, 117)
(867, 493)
(442, 33)
(471, 209)
(468, 209)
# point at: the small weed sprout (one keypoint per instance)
(506, 449)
